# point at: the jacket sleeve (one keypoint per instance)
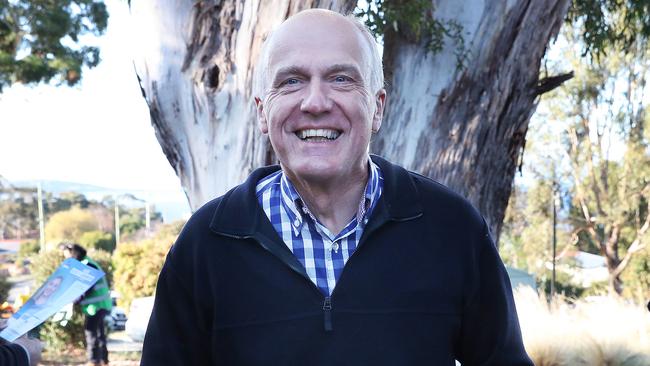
(13, 355)
(490, 332)
(176, 334)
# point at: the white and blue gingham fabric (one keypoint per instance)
(322, 253)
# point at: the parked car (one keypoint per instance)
(116, 320)
(139, 314)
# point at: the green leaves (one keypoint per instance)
(40, 39)
(608, 25)
(413, 20)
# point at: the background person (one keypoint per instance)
(96, 304)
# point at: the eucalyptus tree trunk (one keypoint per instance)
(466, 126)
(195, 61)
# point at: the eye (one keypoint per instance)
(341, 79)
(291, 81)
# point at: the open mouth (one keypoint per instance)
(318, 135)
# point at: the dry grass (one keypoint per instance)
(605, 332)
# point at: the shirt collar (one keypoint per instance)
(295, 207)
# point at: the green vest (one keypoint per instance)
(99, 296)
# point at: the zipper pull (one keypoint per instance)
(327, 309)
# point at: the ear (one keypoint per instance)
(380, 103)
(261, 116)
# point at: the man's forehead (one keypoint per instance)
(314, 32)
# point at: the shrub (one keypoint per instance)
(98, 240)
(137, 265)
(29, 248)
(4, 288)
(70, 225)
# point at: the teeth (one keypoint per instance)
(324, 133)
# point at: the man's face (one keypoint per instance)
(319, 112)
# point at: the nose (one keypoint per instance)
(316, 100)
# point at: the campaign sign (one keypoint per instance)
(71, 280)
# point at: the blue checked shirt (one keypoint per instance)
(322, 253)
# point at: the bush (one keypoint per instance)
(29, 248)
(70, 225)
(98, 240)
(137, 265)
(4, 288)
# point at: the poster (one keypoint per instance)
(70, 280)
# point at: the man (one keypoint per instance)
(23, 351)
(332, 258)
(96, 304)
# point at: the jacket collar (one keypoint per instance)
(239, 214)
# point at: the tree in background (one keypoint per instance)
(603, 161)
(39, 39)
(612, 192)
(98, 240)
(18, 212)
(69, 225)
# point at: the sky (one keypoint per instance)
(97, 132)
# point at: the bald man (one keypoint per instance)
(333, 257)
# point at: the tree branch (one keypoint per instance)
(635, 247)
(547, 84)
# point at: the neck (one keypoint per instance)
(333, 202)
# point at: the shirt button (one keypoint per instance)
(335, 247)
(296, 223)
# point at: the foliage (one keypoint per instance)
(98, 240)
(44, 264)
(637, 278)
(564, 285)
(70, 225)
(40, 39)
(596, 147)
(59, 337)
(610, 25)
(137, 265)
(414, 20)
(5, 286)
(18, 212)
(29, 248)
(611, 191)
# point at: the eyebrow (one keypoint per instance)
(300, 70)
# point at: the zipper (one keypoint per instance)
(327, 313)
(327, 302)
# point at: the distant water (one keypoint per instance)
(171, 204)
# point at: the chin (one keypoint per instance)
(316, 169)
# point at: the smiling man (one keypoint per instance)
(332, 257)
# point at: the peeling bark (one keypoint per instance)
(467, 127)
